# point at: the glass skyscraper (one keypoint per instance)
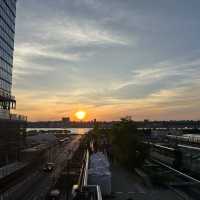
(7, 33)
(12, 126)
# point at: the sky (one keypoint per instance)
(110, 58)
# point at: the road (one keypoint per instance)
(66, 154)
(38, 184)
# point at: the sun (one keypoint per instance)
(80, 115)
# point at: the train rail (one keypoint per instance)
(189, 139)
(190, 178)
(183, 185)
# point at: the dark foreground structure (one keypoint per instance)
(12, 138)
(12, 127)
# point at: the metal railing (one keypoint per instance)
(83, 178)
(17, 117)
(4, 114)
(177, 172)
(14, 117)
(6, 95)
(185, 139)
(94, 191)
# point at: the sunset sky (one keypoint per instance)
(110, 58)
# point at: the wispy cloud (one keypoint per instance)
(110, 58)
(26, 50)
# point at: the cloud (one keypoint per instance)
(27, 50)
(113, 59)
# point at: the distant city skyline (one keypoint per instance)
(136, 58)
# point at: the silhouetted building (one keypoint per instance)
(66, 119)
(11, 126)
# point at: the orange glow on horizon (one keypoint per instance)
(80, 115)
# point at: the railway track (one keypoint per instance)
(183, 185)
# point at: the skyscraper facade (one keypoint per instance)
(7, 33)
(12, 126)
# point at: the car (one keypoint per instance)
(54, 194)
(49, 167)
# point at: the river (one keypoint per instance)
(72, 130)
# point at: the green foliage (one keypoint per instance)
(127, 144)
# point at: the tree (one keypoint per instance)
(127, 144)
